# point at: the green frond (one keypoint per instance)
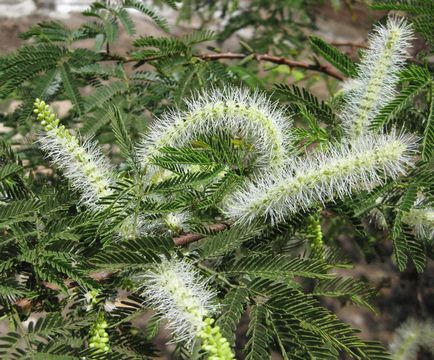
(297, 343)
(341, 61)
(145, 244)
(198, 37)
(313, 318)
(62, 263)
(19, 210)
(424, 26)
(126, 20)
(9, 169)
(356, 291)
(420, 7)
(111, 31)
(123, 139)
(399, 240)
(71, 88)
(48, 32)
(416, 249)
(392, 109)
(168, 46)
(232, 309)
(105, 93)
(10, 291)
(27, 63)
(225, 242)
(47, 325)
(258, 344)
(148, 11)
(117, 258)
(303, 99)
(8, 346)
(428, 135)
(275, 267)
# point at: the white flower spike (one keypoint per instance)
(176, 291)
(84, 165)
(422, 221)
(378, 73)
(335, 173)
(410, 337)
(250, 115)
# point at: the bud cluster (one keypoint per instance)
(214, 343)
(99, 338)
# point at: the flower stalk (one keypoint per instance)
(99, 338)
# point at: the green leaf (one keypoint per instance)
(71, 89)
(48, 32)
(275, 267)
(225, 242)
(28, 63)
(146, 10)
(18, 210)
(400, 245)
(122, 137)
(105, 93)
(354, 290)
(313, 318)
(420, 7)
(118, 258)
(428, 134)
(126, 21)
(341, 61)
(9, 169)
(258, 344)
(304, 99)
(232, 308)
(396, 105)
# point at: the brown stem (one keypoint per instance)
(188, 238)
(322, 68)
(326, 69)
(349, 44)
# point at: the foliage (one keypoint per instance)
(161, 197)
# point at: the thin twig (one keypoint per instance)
(322, 68)
(188, 238)
(326, 69)
(349, 44)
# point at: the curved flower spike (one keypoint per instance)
(252, 116)
(378, 72)
(179, 295)
(84, 165)
(335, 173)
